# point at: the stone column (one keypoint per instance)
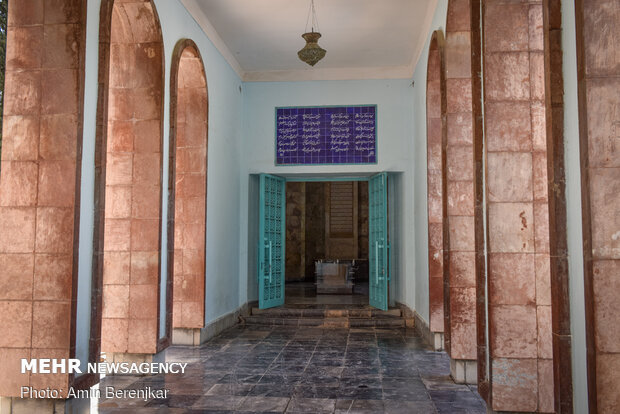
(128, 192)
(436, 179)
(461, 269)
(519, 304)
(598, 71)
(188, 183)
(40, 193)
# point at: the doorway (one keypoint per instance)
(326, 255)
(324, 236)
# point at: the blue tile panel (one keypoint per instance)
(326, 135)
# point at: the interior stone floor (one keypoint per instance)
(302, 293)
(265, 369)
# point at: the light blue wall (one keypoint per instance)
(419, 133)
(395, 150)
(87, 186)
(225, 108)
(573, 209)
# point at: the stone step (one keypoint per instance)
(386, 321)
(324, 313)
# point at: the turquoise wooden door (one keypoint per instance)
(271, 233)
(378, 253)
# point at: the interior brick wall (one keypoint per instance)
(39, 187)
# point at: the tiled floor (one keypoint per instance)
(303, 370)
(300, 293)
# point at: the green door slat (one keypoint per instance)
(378, 252)
(271, 245)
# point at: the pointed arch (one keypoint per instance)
(187, 212)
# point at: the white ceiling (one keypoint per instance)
(364, 39)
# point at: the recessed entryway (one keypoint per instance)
(326, 254)
(314, 232)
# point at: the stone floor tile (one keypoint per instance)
(264, 404)
(410, 407)
(406, 394)
(311, 405)
(370, 406)
(218, 402)
(174, 401)
(314, 391)
(304, 370)
(230, 389)
(271, 390)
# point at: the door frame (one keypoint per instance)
(329, 177)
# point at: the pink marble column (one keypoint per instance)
(520, 332)
(190, 186)
(598, 31)
(461, 308)
(130, 135)
(39, 188)
(436, 178)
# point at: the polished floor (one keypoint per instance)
(304, 293)
(266, 369)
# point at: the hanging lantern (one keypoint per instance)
(312, 52)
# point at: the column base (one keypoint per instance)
(186, 336)
(464, 371)
(16, 405)
(409, 323)
(197, 336)
(438, 344)
(434, 339)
